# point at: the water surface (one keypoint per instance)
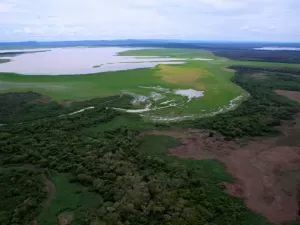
(278, 49)
(71, 61)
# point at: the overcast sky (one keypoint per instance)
(242, 20)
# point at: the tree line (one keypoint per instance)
(136, 189)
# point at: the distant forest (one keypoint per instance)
(260, 55)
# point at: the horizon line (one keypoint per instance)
(147, 39)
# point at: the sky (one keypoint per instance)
(223, 20)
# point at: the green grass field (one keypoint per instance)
(174, 53)
(212, 77)
(69, 199)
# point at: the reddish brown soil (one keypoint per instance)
(41, 100)
(294, 95)
(267, 172)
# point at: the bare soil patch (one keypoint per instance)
(65, 218)
(41, 100)
(67, 103)
(51, 190)
(226, 69)
(267, 172)
(293, 95)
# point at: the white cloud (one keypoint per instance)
(10, 6)
(6, 7)
(269, 20)
(246, 27)
(224, 4)
(272, 27)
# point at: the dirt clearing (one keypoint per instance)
(226, 69)
(293, 95)
(51, 190)
(41, 100)
(65, 218)
(267, 172)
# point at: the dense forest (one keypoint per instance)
(259, 55)
(22, 192)
(135, 188)
(21, 107)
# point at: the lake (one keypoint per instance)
(80, 60)
(278, 49)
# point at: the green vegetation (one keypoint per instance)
(21, 107)
(135, 185)
(157, 146)
(103, 171)
(170, 52)
(76, 88)
(264, 109)
(199, 75)
(249, 54)
(219, 61)
(212, 77)
(22, 193)
(67, 197)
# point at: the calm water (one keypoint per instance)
(69, 61)
(278, 48)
